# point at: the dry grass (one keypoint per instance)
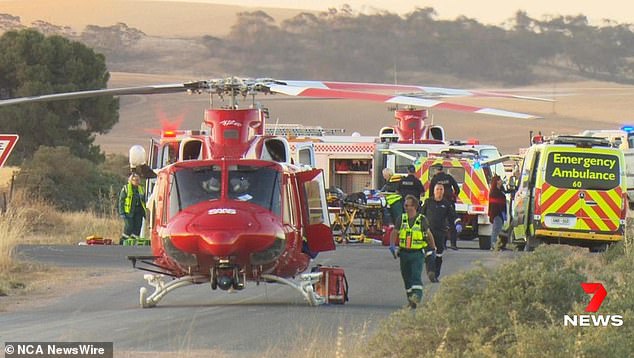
(14, 226)
(6, 173)
(35, 222)
(47, 225)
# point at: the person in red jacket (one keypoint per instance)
(497, 212)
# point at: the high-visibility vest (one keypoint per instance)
(127, 205)
(414, 237)
(392, 186)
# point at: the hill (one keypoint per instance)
(155, 18)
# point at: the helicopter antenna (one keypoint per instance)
(395, 81)
(234, 103)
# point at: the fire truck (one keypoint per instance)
(354, 163)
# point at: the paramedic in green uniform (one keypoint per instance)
(414, 236)
(132, 207)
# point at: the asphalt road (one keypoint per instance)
(266, 318)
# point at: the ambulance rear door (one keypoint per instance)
(583, 191)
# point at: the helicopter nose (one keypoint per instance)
(229, 234)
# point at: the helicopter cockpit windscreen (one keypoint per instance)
(258, 185)
(194, 185)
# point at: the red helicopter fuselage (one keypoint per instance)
(235, 211)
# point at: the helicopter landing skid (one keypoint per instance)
(161, 288)
(304, 286)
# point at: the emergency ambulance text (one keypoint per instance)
(573, 170)
(560, 158)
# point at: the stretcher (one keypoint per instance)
(355, 222)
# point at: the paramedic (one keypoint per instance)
(132, 207)
(440, 214)
(414, 236)
(392, 197)
(451, 194)
(411, 185)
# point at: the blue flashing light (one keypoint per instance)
(628, 129)
(477, 165)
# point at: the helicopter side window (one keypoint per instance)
(195, 185)
(257, 185)
(192, 149)
(174, 202)
(169, 154)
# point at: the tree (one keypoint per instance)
(78, 184)
(32, 64)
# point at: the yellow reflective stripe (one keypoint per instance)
(578, 235)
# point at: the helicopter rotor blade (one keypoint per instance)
(405, 100)
(143, 90)
(427, 97)
(414, 91)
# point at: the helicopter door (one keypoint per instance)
(153, 155)
(153, 163)
(305, 154)
(316, 221)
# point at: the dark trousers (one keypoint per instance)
(411, 270)
(132, 224)
(396, 212)
(440, 238)
(453, 234)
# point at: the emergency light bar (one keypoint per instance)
(181, 132)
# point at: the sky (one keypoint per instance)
(485, 11)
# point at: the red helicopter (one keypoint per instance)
(228, 203)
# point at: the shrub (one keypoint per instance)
(66, 181)
(517, 310)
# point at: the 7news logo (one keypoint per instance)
(598, 293)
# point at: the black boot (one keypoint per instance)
(438, 265)
(430, 267)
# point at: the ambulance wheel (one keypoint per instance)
(531, 243)
(484, 242)
(598, 248)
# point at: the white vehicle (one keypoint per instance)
(620, 138)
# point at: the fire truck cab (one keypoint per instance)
(473, 177)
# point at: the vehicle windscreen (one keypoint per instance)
(492, 153)
(457, 173)
(574, 170)
(401, 164)
(256, 184)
